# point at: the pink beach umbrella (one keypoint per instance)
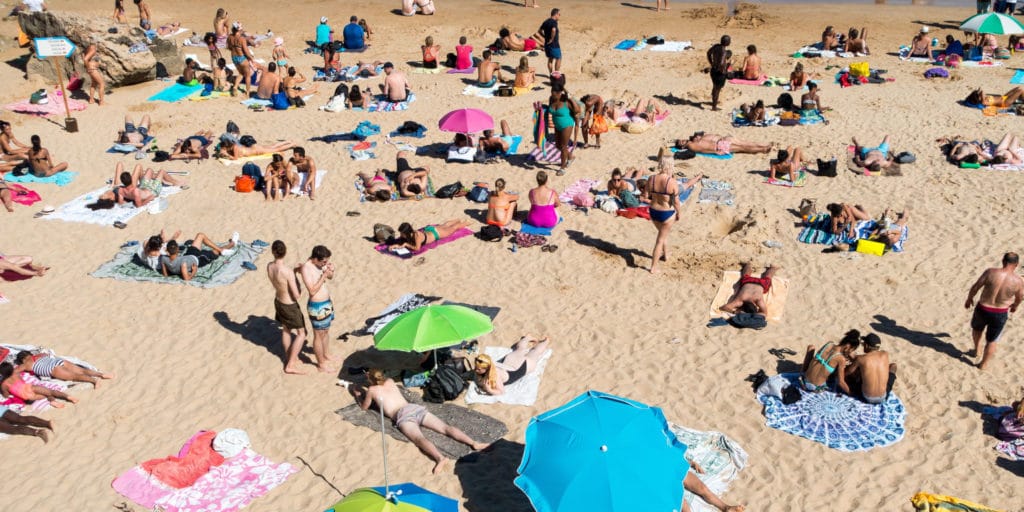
(466, 120)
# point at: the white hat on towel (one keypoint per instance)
(230, 442)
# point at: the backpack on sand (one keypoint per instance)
(444, 385)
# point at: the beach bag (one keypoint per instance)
(1010, 427)
(161, 156)
(785, 101)
(490, 233)
(253, 171)
(478, 194)
(860, 69)
(280, 101)
(449, 191)
(444, 385)
(75, 82)
(247, 141)
(827, 168)
(382, 233)
(449, 61)
(638, 127)
(598, 125)
(629, 199)
(584, 199)
(609, 204)
(791, 395)
(906, 157)
(656, 40)
(244, 184)
(505, 91)
(748, 321)
(463, 154)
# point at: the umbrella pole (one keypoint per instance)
(435, 359)
(384, 450)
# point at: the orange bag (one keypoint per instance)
(598, 125)
(244, 183)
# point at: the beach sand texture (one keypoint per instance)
(190, 359)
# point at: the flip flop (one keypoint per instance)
(352, 214)
(248, 265)
(551, 247)
(120, 225)
(259, 243)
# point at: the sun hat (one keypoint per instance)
(323, 19)
(236, 25)
(924, 30)
(278, 41)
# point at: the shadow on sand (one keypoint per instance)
(482, 475)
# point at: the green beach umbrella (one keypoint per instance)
(369, 500)
(432, 327)
(992, 23)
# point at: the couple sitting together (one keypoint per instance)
(888, 230)
(868, 376)
(501, 205)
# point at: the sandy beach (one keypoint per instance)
(190, 358)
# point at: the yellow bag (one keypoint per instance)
(870, 247)
(860, 69)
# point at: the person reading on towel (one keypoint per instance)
(493, 143)
(50, 367)
(921, 45)
(875, 158)
(186, 265)
(501, 205)
(871, 375)
(978, 97)
(409, 419)
(492, 377)
(488, 72)
(701, 142)
(376, 187)
(820, 365)
(11, 384)
(749, 296)
(412, 181)
(789, 161)
(415, 239)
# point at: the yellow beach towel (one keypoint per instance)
(935, 503)
(776, 298)
(240, 161)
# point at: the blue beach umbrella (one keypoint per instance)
(602, 453)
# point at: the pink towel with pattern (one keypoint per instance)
(52, 108)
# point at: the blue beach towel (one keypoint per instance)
(534, 230)
(1018, 77)
(175, 92)
(837, 421)
(60, 179)
(130, 148)
(626, 44)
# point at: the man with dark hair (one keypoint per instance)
(195, 257)
(354, 35)
(269, 83)
(395, 86)
(718, 57)
(305, 165)
(488, 72)
(873, 158)
(1001, 292)
(871, 374)
(552, 48)
(315, 273)
(751, 291)
(286, 307)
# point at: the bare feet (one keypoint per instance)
(44, 435)
(326, 369)
(56, 405)
(290, 370)
(72, 399)
(481, 446)
(439, 467)
(108, 376)
(735, 508)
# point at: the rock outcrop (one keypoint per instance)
(119, 65)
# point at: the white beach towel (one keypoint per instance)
(75, 210)
(304, 176)
(481, 92)
(523, 392)
(980, 64)
(670, 46)
(720, 457)
(181, 30)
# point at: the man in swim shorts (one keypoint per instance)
(410, 419)
(718, 58)
(315, 272)
(132, 134)
(874, 159)
(1001, 292)
(144, 14)
(552, 48)
(750, 295)
(488, 72)
(396, 85)
(286, 307)
(871, 372)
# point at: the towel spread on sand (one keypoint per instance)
(718, 455)
(522, 392)
(60, 179)
(529, 229)
(404, 304)
(462, 233)
(814, 50)
(837, 421)
(775, 298)
(52, 108)
(743, 81)
(1014, 450)
(550, 154)
(771, 117)
(383, 105)
(304, 177)
(176, 92)
(626, 44)
(75, 210)
(670, 46)
(220, 272)
(481, 92)
(1018, 77)
(362, 150)
(578, 187)
(193, 461)
(22, 195)
(467, 71)
(783, 180)
(716, 191)
(817, 229)
(936, 503)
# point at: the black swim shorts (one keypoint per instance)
(992, 322)
(718, 79)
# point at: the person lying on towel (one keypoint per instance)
(701, 142)
(492, 376)
(414, 240)
(195, 257)
(750, 295)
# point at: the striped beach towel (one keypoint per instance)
(382, 105)
(550, 154)
(816, 230)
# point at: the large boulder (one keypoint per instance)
(119, 65)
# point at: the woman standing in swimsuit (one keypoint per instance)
(562, 112)
(492, 377)
(542, 215)
(39, 160)
(220, 28)
(240, 56)
(663, 192)
(415, 239)
(92, 68)
(821, 364)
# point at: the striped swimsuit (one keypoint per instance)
(44, 366)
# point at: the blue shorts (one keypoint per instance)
(883, 147)
(321, 314)
(130, 128)
(488, 83)
(145, 24)
(553, 53)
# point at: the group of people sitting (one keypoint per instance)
(166, 256)
(853, 41)
(984, 152)
(280, 179)
(410, 182)
(889, 229)
(502, 206)
(26, 159)
(836, 367)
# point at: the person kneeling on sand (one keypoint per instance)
(492, 377)
(871, 375)
(751, 292)
(701, 142)
(408, 418)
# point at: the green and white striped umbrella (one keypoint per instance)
(992, 23)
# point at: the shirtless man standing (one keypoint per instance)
(395, 86)
(1001, 292)
(315, 272)
(718, 58)
(305, 164)
(286, 307)
(701, 142)
(751, 292)
(871, 371)
(144, 14)
(408, 418)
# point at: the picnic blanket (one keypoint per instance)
(53, 107)
(60, 179)
(175, 92)
(729, 285)
(462, 233)
(838, 421)
(476, 425)
(743, 81)
(481, 92)
(383, 105)
(220, 272)
(362, 150)
(225, 488)
(717, 454)
(22, 195)
(933, 502)
(716, 191)
(75, 210)
(522, 392)
(549, 155)
(771, 117)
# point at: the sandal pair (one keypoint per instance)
(549, 248)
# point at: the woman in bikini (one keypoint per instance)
(280, 55)
(789, 161)
(845, 217)
(820, 364)
(194, 147)
(11, 384)
(430, 53)
(240, 56)
(279, 177)
(751, 64)
(376, 187)
(411, 181)
(501, 205)
(810, 103)
(492, 377)
(50, 367)
(22, 265)
(1008, 151)
(11, 147)
(662, 192)
(543, 202)
(978, 97)
(119, 14)
(415, 239)
(5, 195)
(355, 98)
(92, 68)
(232, 151)
(40, 162)
(798, 78)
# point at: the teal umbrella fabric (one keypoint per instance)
(992, 23)
(602, 453)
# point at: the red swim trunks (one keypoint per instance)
(765, 282)
(529, 44)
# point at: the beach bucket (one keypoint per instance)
(870, 247)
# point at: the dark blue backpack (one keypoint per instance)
(253, 171)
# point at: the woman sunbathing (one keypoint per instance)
(754, 113)
(14, 424)
(376, 187)
(1008, 151)
(789, 161)
(845, 217)
(40, 162)
(978, 97)
(415, 239)
(973, 152)
(710, 143)
(194, 146)
(890, 231)
(51, 367)
(232, 151)
(492, 377)
(819, 365)
(11, 384)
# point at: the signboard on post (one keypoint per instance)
(56, 49)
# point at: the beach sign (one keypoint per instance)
(56, 49)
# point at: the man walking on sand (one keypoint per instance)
(315, 272)
(718, 57)
(408, 418)
(552, 49)
(1001, 292)
(286, 307)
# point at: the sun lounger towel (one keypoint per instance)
(783, 181)
(382, 105)
(775, 298)
(75, 210)
(933, 502)
(522, 392)
(625, 44)
(467, 71)
(550, 153)
(462, 233)
(175, 92)
(22, 195)
(481, 92)
(60, 179)
(225, 488)
(222, 271)
(244, 159)
(1018, 77)
(837, 421)
(743, 81)
(52, 108)
(671, 46)
(718, 455)
(530, 229)
(579, 187)
(771, 117)
(365, 151)
(716, 191)
(477, 426)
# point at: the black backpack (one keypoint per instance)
(827, 168)
(785, 101)
(449, 191)
(490, 233)
(444, 385)
(748, 321)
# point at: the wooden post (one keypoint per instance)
(70, 125)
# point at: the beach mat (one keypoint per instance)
(76, 211)
(771, 118)
(60, 179)
(625, 44)
(718, 455)
(477, 426)
(522, 392)
(175, 92)
(222, 271)
(467, 71)
(939, 503)
(717, 192)
(742, 81)
(381, 105)
(55, 106)
(530, 229)
(549, 155)
(775, 298)
(838, 421)
(816, 230)
(462, 233)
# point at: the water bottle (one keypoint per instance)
(772, 244)
(515, 246)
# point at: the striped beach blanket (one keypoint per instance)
(816, 230)
(382, 105)
(549, 155)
